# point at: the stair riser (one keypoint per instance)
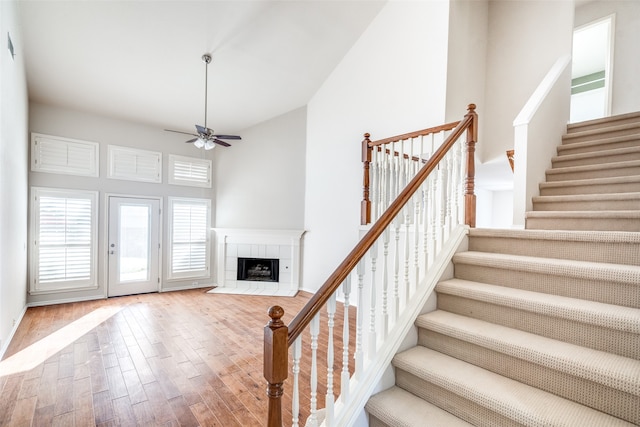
(374, 422)
(459, 406)
(595, 136)
(621, 253)
(623, 294)
(574, 190)
(598, 396)
(588, 205)
(584, 334)
(554, 176)
(560, 162)
(626, 119)
(607, 144)
(585, 224)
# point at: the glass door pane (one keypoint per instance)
(134, 243)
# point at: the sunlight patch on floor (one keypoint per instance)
(35, 354)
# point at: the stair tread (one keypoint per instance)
(603, 120)
(590, 197)
(611, 370)
(517, 401)
(621, 273)
(595, 154)
(601, 130)
(588, 168)
(398, 407)
(592, 181)
(622, 214)
(610, 316)
(567, 235)
(586, 144)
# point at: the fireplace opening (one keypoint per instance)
(258, 269)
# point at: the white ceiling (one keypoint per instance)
(141, 60)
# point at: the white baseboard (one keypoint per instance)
(13, 331)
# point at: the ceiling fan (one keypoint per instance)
(205, 136)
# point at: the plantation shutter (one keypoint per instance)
(189, 238)
(62, 155)
(64, 241)
(135, 165)
(189, 171)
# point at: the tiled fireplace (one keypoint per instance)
(258, 252)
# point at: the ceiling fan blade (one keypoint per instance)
(224, 144)
(191, 140)
(177, 131)
(227, 136)
(201, 129)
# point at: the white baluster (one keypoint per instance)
(359, 355)
(396, 267)
(442, 195)
(344, 379)
(435, 183)
(314, 326)
(373, 190)
(330, 398)
(426, 222)
(373, 254)
(408, 210)
(416, 234)
(385, 282)
(295, 399)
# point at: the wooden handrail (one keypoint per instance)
(428, 131)
(279, 357)
(368, 146)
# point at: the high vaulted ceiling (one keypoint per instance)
(141, 60)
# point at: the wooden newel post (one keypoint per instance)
(276, 359)
(365, 205)
(469, 195)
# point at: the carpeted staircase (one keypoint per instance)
(539, 327)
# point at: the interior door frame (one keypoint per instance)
(105, 234)
(609, 60)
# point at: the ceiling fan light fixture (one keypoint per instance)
(199, 143)
(209, 145)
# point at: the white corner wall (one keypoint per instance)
(13, 176)
(392, 81)
(626, 63)
(468, 34)
(260, 180)
(525, 39)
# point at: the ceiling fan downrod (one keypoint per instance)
(206, 58)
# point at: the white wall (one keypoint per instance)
(392, 81)
(626, 87)
(260, 180)
(525, 39)
(85, 126)
(13, 176)
(468, 33)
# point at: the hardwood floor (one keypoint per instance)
(178, 358)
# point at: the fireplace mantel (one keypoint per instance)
(255, 243)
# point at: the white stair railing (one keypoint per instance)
(395, 265)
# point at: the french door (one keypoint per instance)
(133, 246)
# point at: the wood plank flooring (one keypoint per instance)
(183, 358)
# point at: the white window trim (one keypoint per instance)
(35, 287)
(206, 272)
(154, 156)
(174, 180)
(91, 168)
